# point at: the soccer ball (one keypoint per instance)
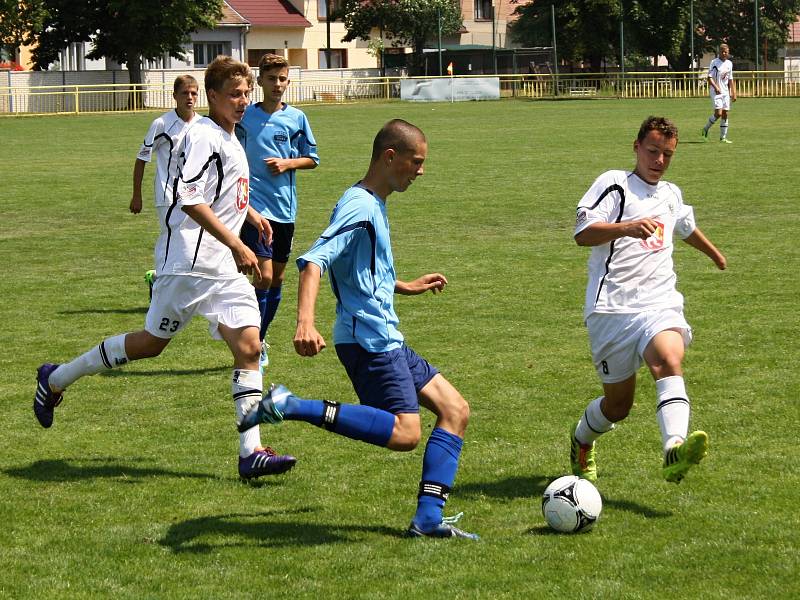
(571, 504)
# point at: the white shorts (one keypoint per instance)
(721, 101)
(178, 298)
(618, 340)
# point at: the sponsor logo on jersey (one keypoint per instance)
(655, 241)
(581, 218)
(280, 137)
(242, 193)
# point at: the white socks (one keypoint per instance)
(593, 424)
(672, 410)
(711, 120)
(723, 129)
(109, 354)
(247, 388)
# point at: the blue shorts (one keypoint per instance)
(386, 380)
(282, 237)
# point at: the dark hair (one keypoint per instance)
(660, 124)
(223, 68)
(183, 80)
(397, 134)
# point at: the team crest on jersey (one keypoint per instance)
(280, 137)
(242, 193)
(189, 191)
(655, 241)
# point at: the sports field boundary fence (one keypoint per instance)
(349, 87)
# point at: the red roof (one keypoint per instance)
(270, 13)
(794, 31)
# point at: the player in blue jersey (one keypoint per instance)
(278, 140)
(390, 379)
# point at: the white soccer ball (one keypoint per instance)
(571, 504)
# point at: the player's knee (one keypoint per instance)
(404, 439)
(253, 350)
(264, 284)
(456, 414)
(248, 350)
(406, 433)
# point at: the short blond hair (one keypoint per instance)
(223, 69)
(184, 80)
(272, 61)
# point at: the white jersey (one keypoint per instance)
(629, 275)
(163, 138)
(212, 169)
(721, 71)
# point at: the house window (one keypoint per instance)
(205, 52)
(322, 9)
(483, 10)
(254, 56)
(338, 59)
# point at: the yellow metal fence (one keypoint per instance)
(76, 99)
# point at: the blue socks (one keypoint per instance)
(268, 301)
(356, 421)
(439, 468)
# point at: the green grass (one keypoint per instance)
(133, 493)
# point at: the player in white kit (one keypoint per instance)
(201, 266)
(633, 311)
(163, 139)
(722, 88)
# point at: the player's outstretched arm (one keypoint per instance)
(603, 233)
(136, 199)
(307, 340)
(435, 282)
(699, 241)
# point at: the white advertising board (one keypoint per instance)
(450, 89)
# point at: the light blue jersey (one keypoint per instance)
(356, 252)
(285, 133)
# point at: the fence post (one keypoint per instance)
(77, 101)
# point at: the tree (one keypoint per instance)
(406, 22)
(656, 27)
(16, 19)
(127, 31)
(733, 22)
(588, 30)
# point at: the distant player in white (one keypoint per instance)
(633, 311)
(201, 264)
(162, 140)
(722, 89)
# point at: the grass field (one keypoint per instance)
(133, 493)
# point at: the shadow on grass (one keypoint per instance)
(534, 486)
(210, 534)
(156, 372)
(62, 470)
(138, 310)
